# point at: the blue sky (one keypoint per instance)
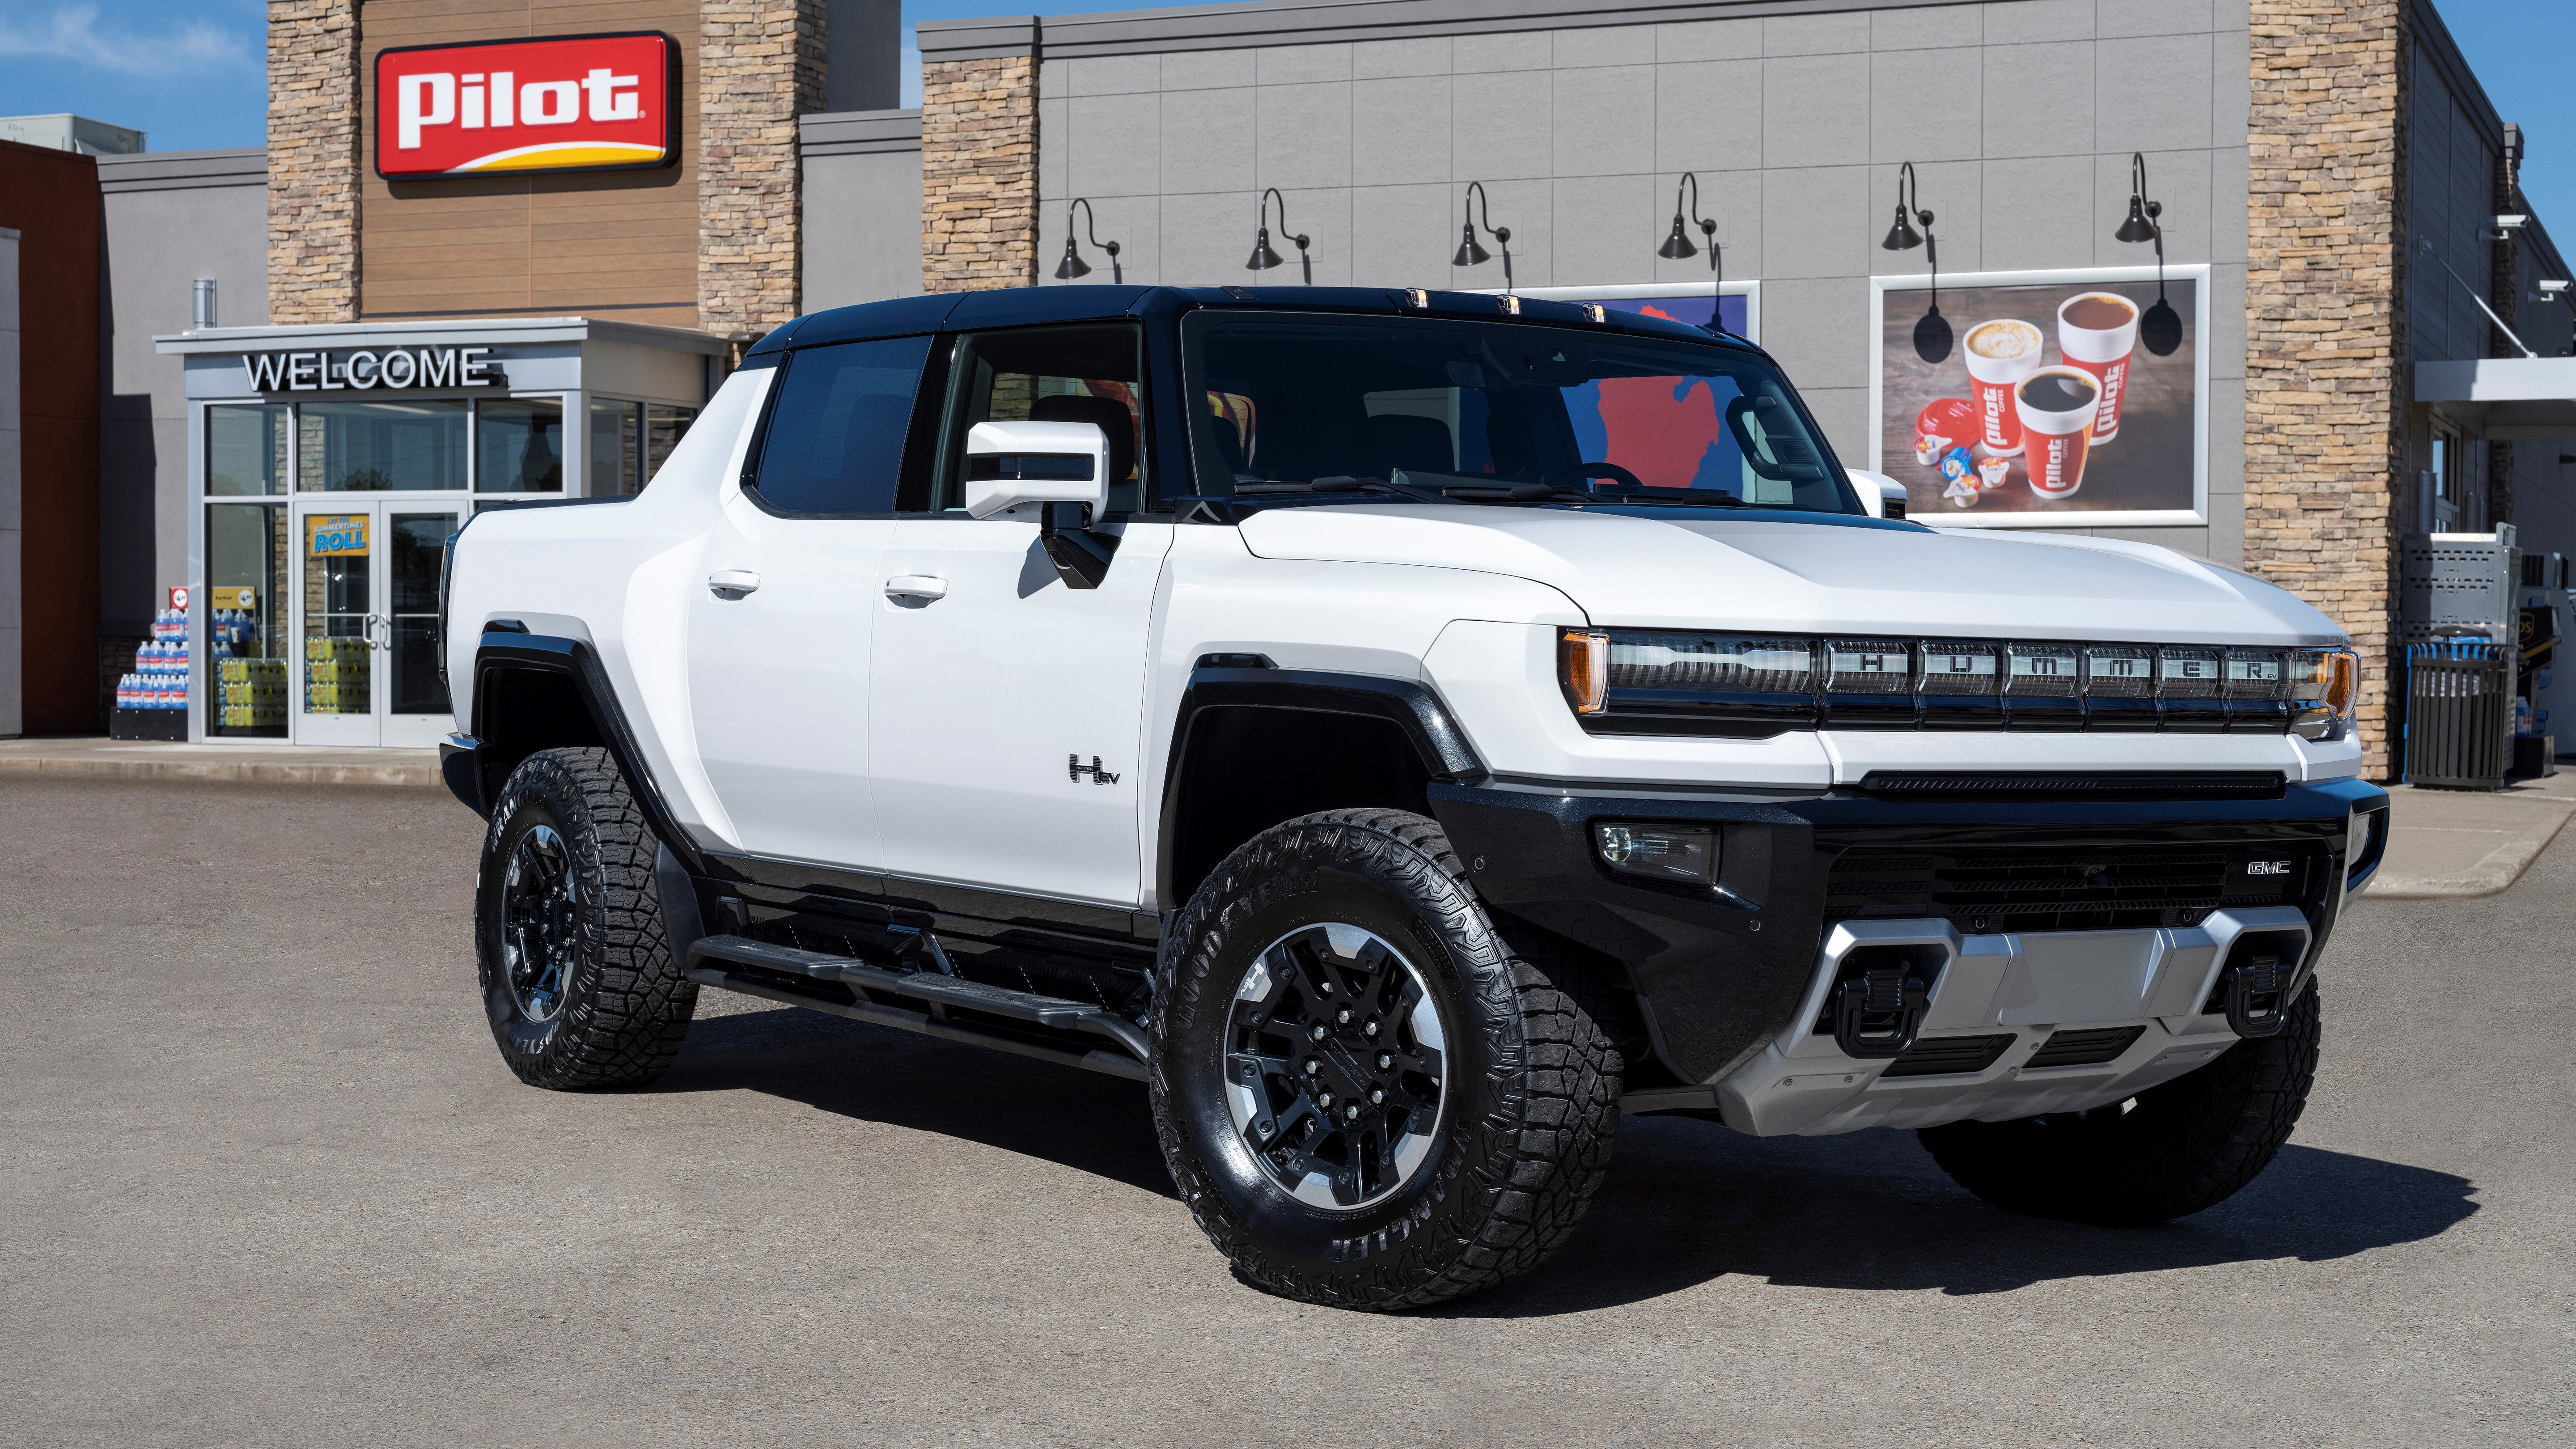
(191, 72)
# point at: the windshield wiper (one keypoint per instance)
(1344, 483)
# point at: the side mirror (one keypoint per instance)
(1883, 496)
(1012, 465)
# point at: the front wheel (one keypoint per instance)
(577, 969)
(2173, 1149)
(1367, 1096)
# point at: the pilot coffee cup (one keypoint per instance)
(2000, 354)
(2097, 331)
(2056, 406)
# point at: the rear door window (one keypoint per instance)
(835, 441)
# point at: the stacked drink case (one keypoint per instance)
(2024, 410)
(250, 693)
(160, 677)
(335, 676)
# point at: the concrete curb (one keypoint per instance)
(222, 772)
(2493, 874)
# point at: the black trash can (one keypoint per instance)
(2459, 715)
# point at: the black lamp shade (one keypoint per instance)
(1263, 257)
(2137, 228)
(1677, 246)
(1469, 253)
(1902, 237)
(1073, 265)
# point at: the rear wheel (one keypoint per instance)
(577, 970)
(1367, 1096)
(2173, 1149)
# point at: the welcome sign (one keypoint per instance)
(562, 103)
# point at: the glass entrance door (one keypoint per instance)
(367, 656)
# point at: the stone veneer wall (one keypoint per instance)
(760, 64)
(2325, 386)
(313, 130)
(979, 173)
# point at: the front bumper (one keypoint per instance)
(1730, 977)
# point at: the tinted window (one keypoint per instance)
(1458, 405)
(1050, 374)
(835, 439)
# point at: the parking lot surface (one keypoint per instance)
(266, 1181)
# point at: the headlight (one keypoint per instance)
(1583, 667)
(2325, 688)
(1685, 853)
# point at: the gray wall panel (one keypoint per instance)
(862, 228)
(2020, 22)
(2152, 17)
(2038, 99)
(1305, 135)
(1203, 136)
(1927, 29)
(1709, 40)
(1831, 34)
(197, 220)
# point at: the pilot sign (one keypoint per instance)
(561, 103)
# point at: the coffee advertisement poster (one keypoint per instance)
(2077, 398)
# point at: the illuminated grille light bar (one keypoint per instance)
(1751, 686)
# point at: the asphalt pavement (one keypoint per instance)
(266, 1181)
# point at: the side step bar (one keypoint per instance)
(710, 957)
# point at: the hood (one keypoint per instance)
(1695, 571)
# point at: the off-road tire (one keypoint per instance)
(1533, 1075)
(624, 1002)
(2177, 1148)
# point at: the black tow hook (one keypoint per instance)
(1876, 1013)
(2257, 1001)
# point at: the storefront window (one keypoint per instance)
(246, 552)
(614, 453)
(419, 546)
(518, 445)
(379, 447)
(246, 450)
(664, 426)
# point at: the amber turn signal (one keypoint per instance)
(1583, 667)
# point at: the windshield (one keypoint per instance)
(1497, 411)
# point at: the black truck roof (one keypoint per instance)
(1023, 306)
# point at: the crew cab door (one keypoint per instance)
(998, 689)
(779, 625)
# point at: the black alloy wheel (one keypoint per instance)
(540, 921)
(1335, 1058)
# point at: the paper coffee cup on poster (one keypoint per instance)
(2097, 331)
(2000, 354)
(2056, 406)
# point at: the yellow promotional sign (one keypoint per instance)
(336, 535)
(230, 596)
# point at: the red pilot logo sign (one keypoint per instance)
(565, 103)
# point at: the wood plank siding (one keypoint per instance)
(622, 244)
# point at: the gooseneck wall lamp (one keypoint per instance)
(1263, 256)
(1073, 265)
(1469, 254)
(1677, 246)
(1932, 332)
(2160, 328)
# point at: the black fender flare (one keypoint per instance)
(470, 768)
(1442, 747)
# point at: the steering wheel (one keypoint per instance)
(1611, 471)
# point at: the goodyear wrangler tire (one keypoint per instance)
(2173, 1149)
(1367, 1096)
(576, 966)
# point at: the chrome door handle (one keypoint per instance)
(733, 581)
(916, 586)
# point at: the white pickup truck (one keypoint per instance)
(1406, 730)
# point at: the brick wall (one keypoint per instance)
(979, 182)
(313, 127)
(760, 63)
(2325, 387)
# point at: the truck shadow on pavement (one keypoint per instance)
(1077, 1119)
(1685, 1202)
